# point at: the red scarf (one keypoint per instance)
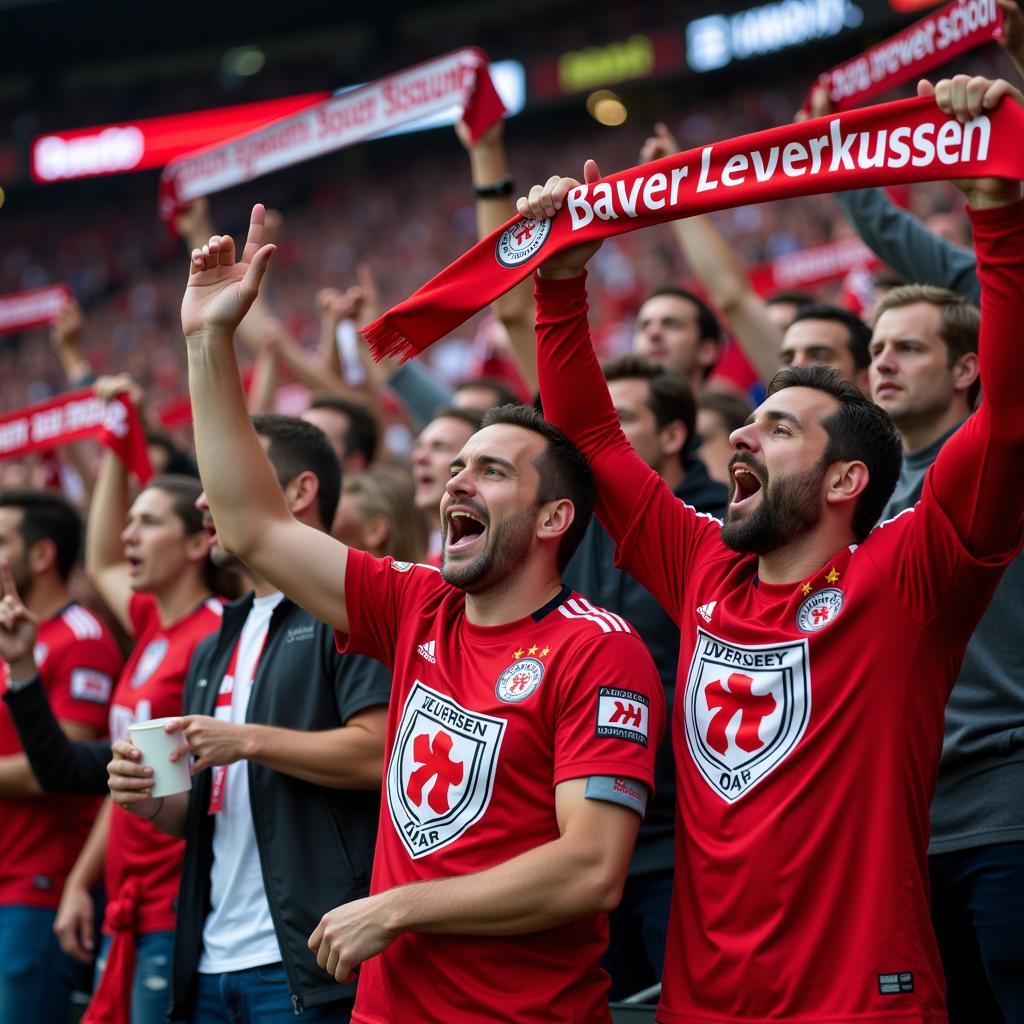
(75, 416)
(112, 999)
(937, 38)
(34, 308)
(906, 141)
(459, 78)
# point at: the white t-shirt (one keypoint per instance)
(239, 931)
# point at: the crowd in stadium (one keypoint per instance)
(649, 639)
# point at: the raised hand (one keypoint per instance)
(661, 143)
(967, 97)
(18, 628)
(220, 290)
(545, 201)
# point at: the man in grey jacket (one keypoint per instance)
(924, 372)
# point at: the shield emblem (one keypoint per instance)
(746, 707)
(442, 769)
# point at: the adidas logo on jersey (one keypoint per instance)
(427, 651)
(705, 610)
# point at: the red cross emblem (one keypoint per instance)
(434, 756)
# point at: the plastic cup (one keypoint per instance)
(156, 746)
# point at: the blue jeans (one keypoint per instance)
(978, 914)
(151, 986)
(636, 934)
(36, 977)
(259, 995)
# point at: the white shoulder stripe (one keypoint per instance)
(82, 623)
(617, 623)
(605, 628)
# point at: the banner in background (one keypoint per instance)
(77, 416)
(459, 78)
(938, 37)
(20, 311)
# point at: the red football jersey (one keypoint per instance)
(152, 686)
(809, 717)
(483, 724)
(41, 836)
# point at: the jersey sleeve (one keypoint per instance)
(611, 712)
(381, 593)
(659, 539)
(359, 683)
(83, 683)
(967, 526)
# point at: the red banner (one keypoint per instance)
(935, 39)
(810, 268)
(459, 78)
(20, 311)
(77, 416)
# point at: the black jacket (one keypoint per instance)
(315, 844)
(592, 573)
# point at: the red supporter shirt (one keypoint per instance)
(152, 686)
(483, 723)
(809, 716)
(41, 836)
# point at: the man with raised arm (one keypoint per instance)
(523, 720)
(817, 653)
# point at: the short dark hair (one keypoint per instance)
(669, 397)
(563, 469)
(362, 434)
(706, 319)
(733, 408)
(471, 417)
(506, 396)
(792, 296)
(858, 334)
(299, 447)
(858, 430)
(184, 491)
(47, 515)
(959, 321)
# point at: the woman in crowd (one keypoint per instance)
(377, 514)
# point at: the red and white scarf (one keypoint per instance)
(935, 39)
(893, 143)
(460, 78)
(20, 311)
(76, 416)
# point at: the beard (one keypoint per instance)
(504, 554)
(790, 507)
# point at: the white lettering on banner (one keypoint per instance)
(924, 41)
(14, 434)
(107, 152)
(364, 112)
(31, 307)
(950, 144)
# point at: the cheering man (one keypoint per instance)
(817, 654)
(523, 720)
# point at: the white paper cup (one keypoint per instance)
(156, 746)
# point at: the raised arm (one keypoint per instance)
(976, 477)
(492, 185)
(252, 517)
(720, 271)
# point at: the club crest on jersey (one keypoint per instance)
(819, 610)
(150, 661)
(40, 651)
(519, 680)
(745, 709)
(442, 768)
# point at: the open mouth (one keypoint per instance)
(746, 483)
(465, 529)
(134, 565)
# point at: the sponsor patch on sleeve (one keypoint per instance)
(622, 715)
(615, 790)
(88, 684)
